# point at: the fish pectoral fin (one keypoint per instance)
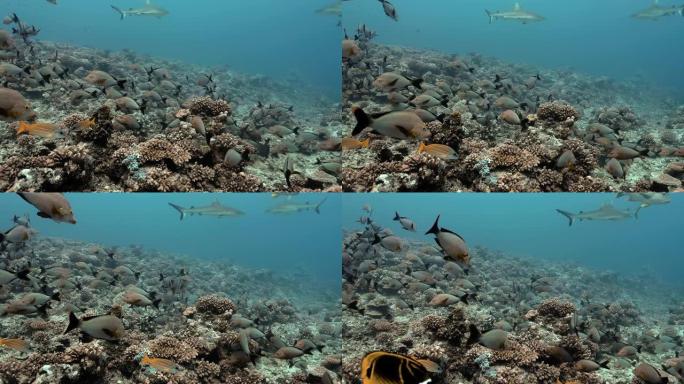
(43, 215)
(403, 130)
(109, 332)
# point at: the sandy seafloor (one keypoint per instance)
(569, 111)
(177, 131)
(204, 308)
(387, 295)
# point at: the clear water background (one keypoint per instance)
(527, 225)
(591, 36)
(277, 38)
(304, 242)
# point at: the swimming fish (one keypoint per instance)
(104, 327)
(399, 125)
(7, 277)
(389, 10)
(16, 344)
(18, 234)
(148, 10)
(214, 209)
(334, 9)
(405, 222)
(286, 208)
(517, 14)
(451, 243)
(442, 151)
(656, 11)
(391, 243)
(46, 130)
(646, 199)
(50, 206)
(288, 353)
(350, 143)
(350, 49)
(139, 300)
(13, 106)
(606, 212)
(392, 82)
(381, 367)
(649, 375)
(162, 365)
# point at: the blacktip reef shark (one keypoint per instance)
(656, 11)
(287, 208)
(334, 9)
(148, 10)
(646, 199)
(215, 209)
(606, 213)
(517, 14)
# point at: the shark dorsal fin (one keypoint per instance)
(516, 7)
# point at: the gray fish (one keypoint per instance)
(517, 14)
(105, 327)
(606, 213)
(334, 9)
(214, 209)
(287, 208)
(405, 222)
(148, 10)
(656, 11)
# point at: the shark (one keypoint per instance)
(607, 212)
(287, 208)
(656, 11)
(646, 199)
(215, 209)
(148, 10)
(517, 14)
(334, 9)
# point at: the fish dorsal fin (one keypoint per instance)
(452, 232)
(216, 204)
(86, 318)
(516, 7)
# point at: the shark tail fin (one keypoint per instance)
(122, 13)
(636, 213)
(318, 207)
(570, 216)
(491, 18)
(179, 209)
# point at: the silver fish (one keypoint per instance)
(656, 11)
(287, 208)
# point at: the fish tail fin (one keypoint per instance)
(23, 274)
(418, 83)
(435, 227)
(122, 13)
(318, 207)
(179, 209)
(363, 121)
(74, 323)
(489, 14)
(121, 83)
(365, 143)
(636, 213)
(56, 297)
(421, 147)
(396, 216)
(156, 302)
(2, 237)
(474, 335)
(570, 216)
(24, 127)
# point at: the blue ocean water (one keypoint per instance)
(305, 243)
(588, 36)
(527, 225)
(272, 37)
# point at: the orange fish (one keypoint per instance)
(37, 129)
(87, 123)
(438, 150)
(16, 344)
(163, 365)
(349, 143)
